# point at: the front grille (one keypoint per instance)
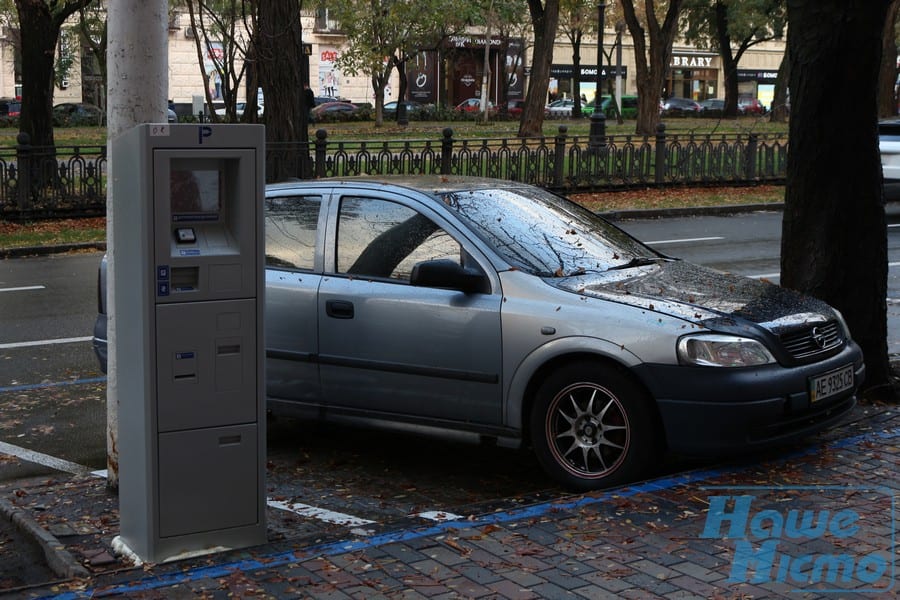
(814, 341)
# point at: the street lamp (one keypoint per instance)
(598, 119)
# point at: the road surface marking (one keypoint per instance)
(44, 459)
(329, 516)
(438, 515)
(45, 342)
(685, 240)
(22, 289)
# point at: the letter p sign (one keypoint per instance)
(203, 131)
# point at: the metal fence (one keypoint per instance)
(70, 181)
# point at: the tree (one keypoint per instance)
(278, 50)
(731, 27)
(544, 21)
(577, 17)
(834, 242)
(651, 61)
(223, 32)
(383, 34)
(887, 76)
(92, 26)
(40, 22)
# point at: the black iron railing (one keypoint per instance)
(71, 181)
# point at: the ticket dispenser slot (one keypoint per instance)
(188, 275)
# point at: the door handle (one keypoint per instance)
(339, 309)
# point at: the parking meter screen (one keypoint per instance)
(195, 194)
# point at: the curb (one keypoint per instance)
(689, 211)
(52, 249)
(60, 561)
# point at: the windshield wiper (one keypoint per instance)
(637, 261)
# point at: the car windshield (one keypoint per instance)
(544, 234)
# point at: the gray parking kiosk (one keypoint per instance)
(189, 355)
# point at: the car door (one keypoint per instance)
(294, 232)
(386, 346)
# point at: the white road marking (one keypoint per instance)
(44, 459)
(438, 515)
(329, 516)
(685, 240)
(44, 342)
(22, 289)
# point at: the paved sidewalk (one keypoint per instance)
(815, 521)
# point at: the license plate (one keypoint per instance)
(830, 384)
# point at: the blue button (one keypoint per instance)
(162, 272)
(162, 288)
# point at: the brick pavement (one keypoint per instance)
(826, 511)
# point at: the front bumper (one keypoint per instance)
(707, 409)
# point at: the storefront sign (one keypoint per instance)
(586, 73)
(692, 61)
(757, 75)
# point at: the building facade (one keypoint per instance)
(446, 76)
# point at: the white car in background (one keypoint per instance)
(889, 146)
(240, 106)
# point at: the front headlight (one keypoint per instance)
(716, 350)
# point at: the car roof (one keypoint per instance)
(436, 184)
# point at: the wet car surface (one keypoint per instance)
(505, 313)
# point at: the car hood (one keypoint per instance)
(703, 296)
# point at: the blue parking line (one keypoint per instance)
(37, 386)
(530, 512)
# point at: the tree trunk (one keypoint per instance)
(887, 75)
(834, 242)
(41, 32)
(779, 112)
(544, 19)
(279, 51)
(729, 63)
(651, 61)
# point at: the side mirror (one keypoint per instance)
(444, 273)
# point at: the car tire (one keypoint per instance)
(592, 427)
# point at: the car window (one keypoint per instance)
(380, 238)
(291, 231)
(544, 234)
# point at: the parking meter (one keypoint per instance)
(189, 354)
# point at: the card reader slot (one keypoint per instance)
(229, 349)
(185, 279)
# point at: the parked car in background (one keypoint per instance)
(390, 108)
(473, 105)
(751, 106)
(10, 107)
(712, 107)
(240, 107)
(889, 147)
(679, 107)
(559, 108)
(334, 111)
(78, 113)
(515, 108)
(629, 107)
(506, 312)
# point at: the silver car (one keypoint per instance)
(503, 310)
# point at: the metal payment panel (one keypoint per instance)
(186, 257)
